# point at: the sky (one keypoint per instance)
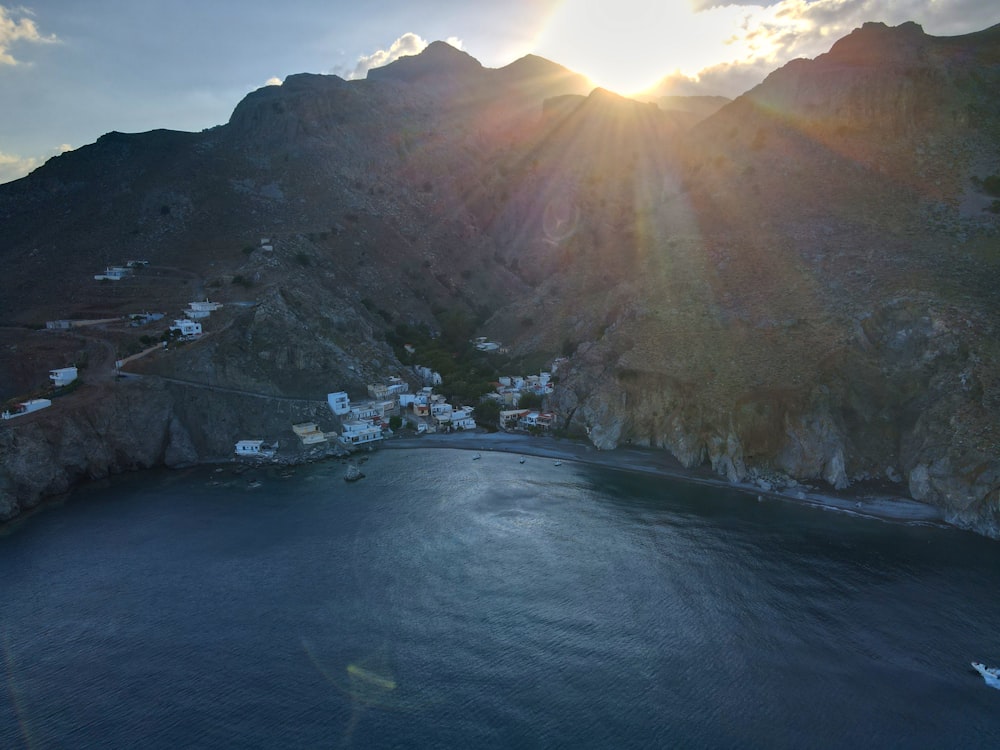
(72, 70)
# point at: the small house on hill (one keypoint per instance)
(62, 376)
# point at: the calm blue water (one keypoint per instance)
(446, 602)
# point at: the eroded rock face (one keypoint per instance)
(918, 393)
(101, 431)
(123, 428)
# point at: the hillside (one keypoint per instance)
(799, 284)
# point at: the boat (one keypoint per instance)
(989, 674)
(557, 463)
(476, 457)
(521, 461)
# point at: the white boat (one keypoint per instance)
(557, 463)
(476, 457)
(990, 674)
(522, 460)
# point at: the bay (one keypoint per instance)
(451, 602)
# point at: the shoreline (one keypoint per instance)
(857, 501)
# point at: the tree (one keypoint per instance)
(529, 400)
(488, 413)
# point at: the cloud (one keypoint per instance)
(273, 81)
(14, 167)
(16, 26)
(769, 33)
(408, 44)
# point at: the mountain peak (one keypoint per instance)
(438, 59)
(876, 42)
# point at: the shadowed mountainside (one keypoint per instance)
(801, 285)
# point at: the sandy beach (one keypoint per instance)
(858, 500)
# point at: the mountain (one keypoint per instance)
(797, 286)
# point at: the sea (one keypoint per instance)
(449, 601)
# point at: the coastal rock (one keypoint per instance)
(180, 450)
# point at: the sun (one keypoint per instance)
(628, 45)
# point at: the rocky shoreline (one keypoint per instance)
(867, 501)
(142, 426)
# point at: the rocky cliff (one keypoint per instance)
(142, 423)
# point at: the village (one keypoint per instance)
(391, 407)
(513, 404)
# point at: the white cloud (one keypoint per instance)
(17, 26)
(769, 33)
(408, 44)
(273, 81)
(14, 167)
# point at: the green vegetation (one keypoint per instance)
(488, 413)
(529, 400)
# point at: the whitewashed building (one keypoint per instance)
(113, 273)
(62, 376)
(256, 449)
(461, 418)
(26, 407)
(187, 327)
(198, 310)
(339, 403)
(359, 432)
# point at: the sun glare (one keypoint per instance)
(628, 45)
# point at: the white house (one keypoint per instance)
(461, 419)
(113, 273)
(511, 417)
(255, 448)
(368, 410)
(62, 376)
(202, 309)
(441, 411)
(187, 327)
(339, 403)
(540, 420)
(26, 407)
(358, 432)
(397, 385)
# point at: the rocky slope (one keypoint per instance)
(801, 284)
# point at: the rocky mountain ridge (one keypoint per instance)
(801, 283)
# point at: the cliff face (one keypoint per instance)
(132, 427)
(140, 424)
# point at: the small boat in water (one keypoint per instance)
(990, 674)
(521, 461)
(557, 463)
(476, 457)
